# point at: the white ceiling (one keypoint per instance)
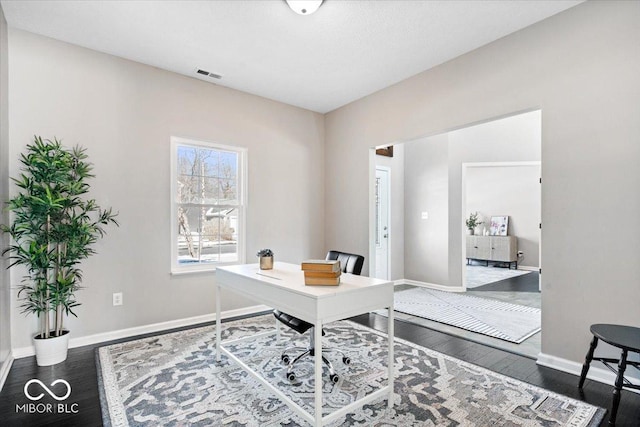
(346, 50)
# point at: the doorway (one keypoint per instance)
(491, 190)
(428, 216)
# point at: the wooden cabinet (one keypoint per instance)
(493, 248)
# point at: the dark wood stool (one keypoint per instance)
(626, 338)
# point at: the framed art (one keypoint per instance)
(499, 225)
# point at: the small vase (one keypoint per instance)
(266, 262)
(470, 231)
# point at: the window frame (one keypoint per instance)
(242, 152)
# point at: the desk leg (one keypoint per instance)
(218, 331)
(317, 330)
(390, 334)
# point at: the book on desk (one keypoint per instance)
(321, 272)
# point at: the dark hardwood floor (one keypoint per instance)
(80, 371)
(525, 283)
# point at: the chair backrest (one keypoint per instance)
(350, 263)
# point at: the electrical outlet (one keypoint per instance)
(425, 215)
(117, 298)
(520, 253)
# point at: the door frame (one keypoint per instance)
(465, 167)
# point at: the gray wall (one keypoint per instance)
(427, 190)
(5, 296)
(124, 114)
(581, 69)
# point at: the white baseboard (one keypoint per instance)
(528, 268)
(19, 353)
(595, 373)
(5, 368)
(430, 285)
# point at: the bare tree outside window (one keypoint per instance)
(207, 204)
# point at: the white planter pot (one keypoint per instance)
(51, 350)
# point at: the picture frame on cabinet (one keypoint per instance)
(499, 225)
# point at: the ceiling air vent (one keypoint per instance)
(208, 74)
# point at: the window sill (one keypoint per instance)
(194, 271)
(212, 269)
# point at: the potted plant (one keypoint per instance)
(53, 229)
(472, 222)
(266, 259)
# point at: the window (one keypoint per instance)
(208, 193)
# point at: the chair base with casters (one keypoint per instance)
(301, 327)
(349, 263)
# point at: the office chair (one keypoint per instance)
(349, 263)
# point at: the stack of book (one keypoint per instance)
(321, 272)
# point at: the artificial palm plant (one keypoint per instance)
(53, 229)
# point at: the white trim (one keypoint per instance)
(145, 329)
(596, 373)
(431, 285)
(372, 212)
(528, 268)
(5, 368)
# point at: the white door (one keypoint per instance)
(382, 223)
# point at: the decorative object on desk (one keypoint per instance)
(321, 272)
(321, 265)
(266, 259)
(53, 229)
(431, 388)
(499, 225)
(472, 222)
(332, 279)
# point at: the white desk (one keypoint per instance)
(283, 288)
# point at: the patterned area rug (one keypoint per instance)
(479, 275)
(174, 380)
(510, 322)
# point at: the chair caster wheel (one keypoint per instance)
(285, 359)
(346, 360)
(291, 376)
(334, 378)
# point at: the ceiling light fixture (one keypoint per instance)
(304, 7)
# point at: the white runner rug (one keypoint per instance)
(510, 322)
